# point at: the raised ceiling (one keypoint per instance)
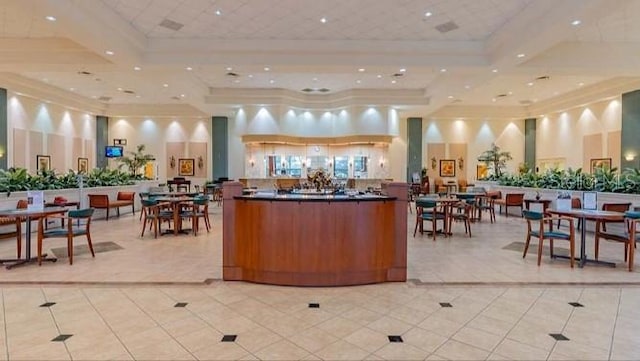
(453, 52)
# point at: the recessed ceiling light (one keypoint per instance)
(271, 81)
(45, 79)
(323, 20)
(266, 68)
(361, 70)
(137, 68)
(493, 100)
(467, 86)
(165, 85)
(314, 79)
(520, 55)
(576, 22)
(182, 95)
(443, 70)
(358, 81)
(237, 81)
(402, 70)
(119, 89)
(109, 52)
(250, 75)
(510, 93)
(379, 76)
(450, 97)
(393, 82)
(138, 96)
(50, 18)
(580, 84)
(218, 12)
(495, 70)
(72, 89)
(94, 97)
(530, 83)
(428, 13)
(229, 68)
(188, 68)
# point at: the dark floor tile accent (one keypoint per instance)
(395, 338)
(576, 304)
(559, 337)
(519, 247)
(314, 305)
(47, 304)
(229, 338)
(181, 304)
(98, 247)
(445, 304)
(61, 338)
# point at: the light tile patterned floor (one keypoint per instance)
(122, 305)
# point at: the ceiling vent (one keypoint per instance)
(315, 90)
(170, 24)
(104, 98)
(397, 75)
(323, 90)
(447, 27)
(526, 102)
(232, 74)
(544, 77)
(500, 96)
(84, 72)
(129, 91)
(175, 97)
(307, 90)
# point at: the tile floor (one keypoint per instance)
(161, 299)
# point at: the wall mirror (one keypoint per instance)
(283, 166)
(341, 167)
(318, 162)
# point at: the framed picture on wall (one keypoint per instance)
(447, 167)
(482, 171)
(83, 165)
(43, 163)
(600, 163)
(185, 166)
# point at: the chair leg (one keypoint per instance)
(551, 248)
(90, 245)
(70, 249)
(572, 251)
(631, 254)
(597, 246)
(107, 213)
(39, 251)
(19, 244)
(526, 246)
(540, 245)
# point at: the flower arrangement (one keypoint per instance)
(319, 179)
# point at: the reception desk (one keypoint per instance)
(315, 240)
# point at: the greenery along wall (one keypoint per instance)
(603, 180)
(18, 179)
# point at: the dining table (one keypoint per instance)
(176, 204)
(29, 215)
(591, 215)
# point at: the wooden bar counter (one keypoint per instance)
(315, 240)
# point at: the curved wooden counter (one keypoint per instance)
(315, 241)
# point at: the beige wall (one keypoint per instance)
(38, 127)
(581, 133)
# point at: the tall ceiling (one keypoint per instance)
(436, 52)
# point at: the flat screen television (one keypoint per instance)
(111, 151)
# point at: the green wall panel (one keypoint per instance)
(102, 140)
(630, 142)
(530, 142)
(414, 146)
(4, 127)
(219, 147)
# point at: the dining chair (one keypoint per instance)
(198, 209)
(614, 207)
(82, 218)
(430, 211)
(154, 214)
(536, 224)
(628, 236)
(461, 212)
(486, 203)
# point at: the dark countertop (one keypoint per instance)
(314, 198)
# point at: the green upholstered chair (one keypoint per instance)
(154, 213)
(78, 224)
(629, 235)
(541, 227)
(428, 210)
(198, 209)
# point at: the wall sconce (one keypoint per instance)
(252, 162)
(433, 163)
(460, 163)
(200, 162)
(350, 164)
(629, 157)
(172, 162)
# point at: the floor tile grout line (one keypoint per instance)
(573, 309)
(218, 330)
(519, 320)
(141, 308)
(107, 324)
(4, 325)
(615, 322)
(55, 322)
